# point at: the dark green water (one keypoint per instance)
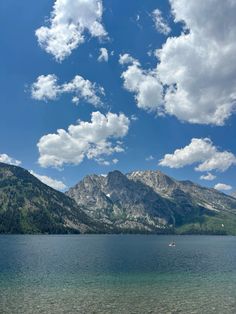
(117, 274)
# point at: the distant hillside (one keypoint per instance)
(150, 201)
(29, 206)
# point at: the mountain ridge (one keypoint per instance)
(153, 202)
(29, 206)
(137, 202)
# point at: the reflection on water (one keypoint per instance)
(117, 274)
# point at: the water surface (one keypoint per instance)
(117, 274)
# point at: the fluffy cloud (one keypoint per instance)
(201, 151)
(9, 160)
(127, 59)
(70, 20)
(208, 177)
(198, 67)
(222, 187)
(103, 55)
(195, 72)
(93, 140)
(143, 83)
(219, 161)
(160, 24)
(55, 184)
(46, 88)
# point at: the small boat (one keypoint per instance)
(172, 244)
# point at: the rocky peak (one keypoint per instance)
(157, 180)
(148, 200)
(116, 180)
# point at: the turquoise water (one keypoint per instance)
(117, 274)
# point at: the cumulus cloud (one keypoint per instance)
(143, 83)
(55, 184)
(219, 161)
(202, 152)
(208, 177)
(9, 160)
(195, 73)
(104, 56)
(160, 23)
(70, 20)
(198, 67)
(222, 187)
(47, 87)
(93, 140)
(127, 59)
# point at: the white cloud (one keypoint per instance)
(104, 162)
(149, 158)
(115, 161)
(127, 59)
(46, 88)
(201, 151)
(160, 23)
(219, 161)
(197, 68)
(222, 187)
(55, 184)
(103, 55)
(208, 177)
(70, 20)
(197, 150)
(9, 160)
(134, 117)
(151, 53)
(93, 140)
(143, 83)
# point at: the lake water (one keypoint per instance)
(117, 274)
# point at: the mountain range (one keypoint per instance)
(137, 202)
(150, 201)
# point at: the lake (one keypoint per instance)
(117, 274)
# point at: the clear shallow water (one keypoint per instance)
(117, 274)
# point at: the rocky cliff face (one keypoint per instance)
(121, 202)
(149, 201)
(171, 188)
(29, 206)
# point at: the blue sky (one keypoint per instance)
(154, 127)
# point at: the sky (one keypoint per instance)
(91, 86)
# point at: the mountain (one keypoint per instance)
(137, 202)
(168, 187)
(150, 201)
(233, 194)
(29, 206)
